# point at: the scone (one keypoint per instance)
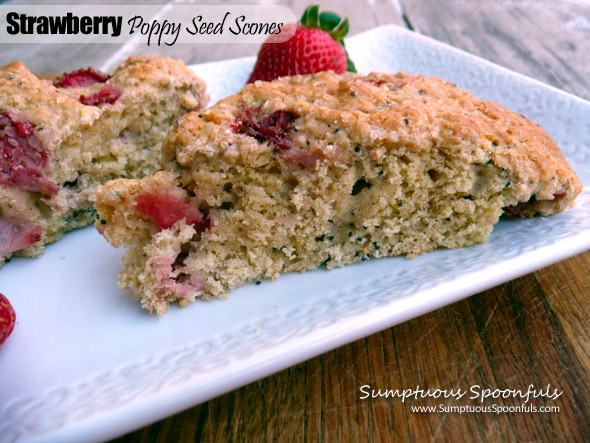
(60, 138)
(325, 170)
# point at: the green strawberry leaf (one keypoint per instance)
(339, 31)
(310, 17)
(330, 22)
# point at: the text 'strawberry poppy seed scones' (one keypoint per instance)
(325, 169)
(60, 138)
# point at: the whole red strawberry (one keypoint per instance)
(317, 45)
(7, 318)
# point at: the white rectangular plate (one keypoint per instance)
(85, 362)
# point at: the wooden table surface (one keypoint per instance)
(534, 330)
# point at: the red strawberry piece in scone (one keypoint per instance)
(107, 95)
(81, 77)
(167, 209)
(16, 235)
(316, 45)
(23, 158)
(274, 127)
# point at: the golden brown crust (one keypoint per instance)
(438, 113)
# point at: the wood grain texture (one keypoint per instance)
(546, 40)
(533, 330)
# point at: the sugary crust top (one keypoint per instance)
(388, 113)
(154, 70)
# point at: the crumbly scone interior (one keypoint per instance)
(358, 180)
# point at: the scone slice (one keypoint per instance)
(325, 170)
(59, 138)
